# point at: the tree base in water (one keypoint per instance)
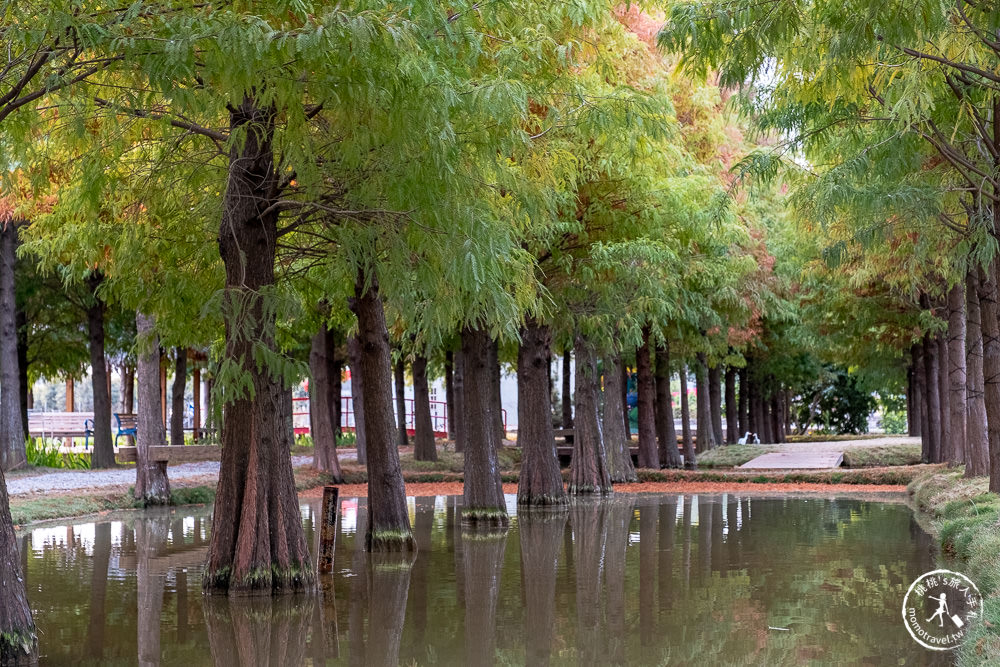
(389, 541)
(486, 518)
(542, 500)
(590, 490)
(17, 646)
(261, 581)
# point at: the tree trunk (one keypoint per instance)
(103, 455)
(766, 421)
(17, 629)
(932, 389)
(777, 421)
(567, 398)
(151, 484)
(389, 518)
(624, 399)
(744, 405)
(495, 377)
(424, 448)
(690, 462)
(177, 397)
(588, 473)
(977, 461)
(459, 414)
(731, 419)
(944, 391)
(128, 389)
(649, 455)
(911, 410)
(703, 412)
(321, 418)
(483, 495)
(12, 450)
(620, 466)
(540, 481)
(358, 399)
(401, 402)
(449, 391)
(921, 385)
(990, 312)
(666, 433)
(261, 545)
(24, 390)
(334, 372)
(715, 402)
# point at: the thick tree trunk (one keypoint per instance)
(777, 421)
(389, 518)
(540, 481)
(649, 455)
(334, 372)
(620, 466)
(177, 397)
(977, 461)
(588, 472)
(567, 398)
(17, 629)
(703, 411)
(261, 546)
(744, 404)
(400, 376)
(921, 385)
(690, 462)
(990, 307)
(732, 425)
(459, 414)
(151, 485)
(666, 433)
(321, 418)
(424, 448)
(766, 421)
(624, 399)
(483, 495)
(449, 391)
(103, 455)
(12, 450)
(912, 420)
(496, 397)
(944, 391)
(715, 402)
(358, 399)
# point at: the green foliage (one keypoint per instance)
(44, 453)
(835, 404)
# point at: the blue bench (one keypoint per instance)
(127, 425)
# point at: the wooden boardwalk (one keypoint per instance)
(796, 461)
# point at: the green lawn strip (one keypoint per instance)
(964, 517)
(886, 455)
(730, 456)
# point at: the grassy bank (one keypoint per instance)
(965, 517)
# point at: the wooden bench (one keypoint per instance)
(128, 425)
(61, 425)
(168, 454)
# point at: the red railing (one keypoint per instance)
(439, 415)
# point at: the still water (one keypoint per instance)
(671, 579)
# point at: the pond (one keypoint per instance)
(649, 579)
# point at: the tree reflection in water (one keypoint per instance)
(258, 631)
(541, 532)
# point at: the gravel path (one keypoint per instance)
(73, 480)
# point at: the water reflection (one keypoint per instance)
(685, 580)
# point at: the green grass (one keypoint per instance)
(899, 476)
(819, 437)
(965, 518)
(888, 455)
(731, 456)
